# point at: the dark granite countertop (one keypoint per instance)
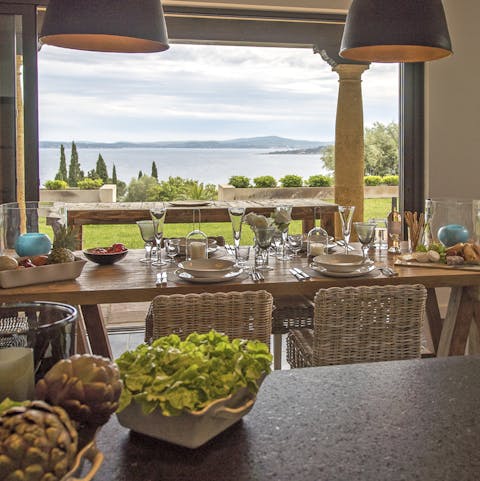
(396, 421)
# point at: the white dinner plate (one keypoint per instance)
(361, 271)
(189, 203)
(185, 276)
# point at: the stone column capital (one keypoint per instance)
(348, 71)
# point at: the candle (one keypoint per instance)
(316, 249)
(198, 250)
(16, 373)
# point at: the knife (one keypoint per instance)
(161, 279)
(296, 275)
(301, 273)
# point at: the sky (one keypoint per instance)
(199, 92)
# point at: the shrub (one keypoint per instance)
(372, 180)
(291, 180)
(89, 184)
(319, 181)
(265, 181)
(56, 185)
(390, 180)
(239, 181)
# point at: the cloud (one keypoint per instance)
(198, 92)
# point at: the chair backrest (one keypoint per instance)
(246, 315)
(366, 324)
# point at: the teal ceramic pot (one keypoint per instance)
(32, 244)
(452, 234)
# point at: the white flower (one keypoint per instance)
(281, 217)
(257, 221)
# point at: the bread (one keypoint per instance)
(470, 255)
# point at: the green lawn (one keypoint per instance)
(105, 235)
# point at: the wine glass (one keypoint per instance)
(148, 235)
(366, 235)
(346, 216)
(158, 213)
(295, 243)
(285, 212)
(172, 248)
(380, 233)
(236, 218)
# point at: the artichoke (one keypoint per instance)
(37, 443)
(87, 387)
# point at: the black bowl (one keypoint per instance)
(104, 259)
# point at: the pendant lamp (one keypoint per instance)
(105, 25)
(395, 31)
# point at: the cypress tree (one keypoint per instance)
(62, 169)
(154, 170)
(74, 172)
(101, 169)
(114, 175)
(140, 174)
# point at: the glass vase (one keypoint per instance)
(263, 240)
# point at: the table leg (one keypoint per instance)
(82, 345)
(97, 333)
(474, 336)
(434, 319)
(277, 351)
(456, 325)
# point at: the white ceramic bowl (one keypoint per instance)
(339, 262)
(207, 267)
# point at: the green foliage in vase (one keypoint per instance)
(291, 180)
(239, 181)
(264, 181)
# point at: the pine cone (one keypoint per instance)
(87, 387)
(37, 442)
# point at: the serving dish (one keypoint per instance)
(190, 429)
(42, 274)
(359, 271)
(339, 262)
(207, 267)
(106, 258)
(185, 276)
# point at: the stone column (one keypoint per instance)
(349, 140)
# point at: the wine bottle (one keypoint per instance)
(394, 228)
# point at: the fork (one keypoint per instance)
(387, 271)
(341, 243)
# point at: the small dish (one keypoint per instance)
(207, 267)
(339, 262)
(359, 271)
(106, 258)
(185, 276)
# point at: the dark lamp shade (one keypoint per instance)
(132, 26)
(396, 31)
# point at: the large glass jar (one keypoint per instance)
(317, 242)
(449, 221)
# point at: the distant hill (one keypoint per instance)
(314, 150)
(271, 142)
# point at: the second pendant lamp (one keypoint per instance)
(105, 25)
(396, 31)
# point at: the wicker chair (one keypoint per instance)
(246, 315)
(360, 324)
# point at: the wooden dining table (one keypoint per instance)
(132, 281)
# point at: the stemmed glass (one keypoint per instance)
(283, 228)
(295, 243)
(158, 213)
(366, 235)
(346, 216)
(172, 248)
(236, 218)
(148, 235)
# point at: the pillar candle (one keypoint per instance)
(198, 250)
(316, 249)
(16, 373)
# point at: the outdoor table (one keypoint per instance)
(132, 281)
(386, 421)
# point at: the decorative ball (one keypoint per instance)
(452, 234)
(32, 244)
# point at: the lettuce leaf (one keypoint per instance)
(174, 375)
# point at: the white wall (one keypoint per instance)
(453, 108)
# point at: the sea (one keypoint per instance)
(213, 166)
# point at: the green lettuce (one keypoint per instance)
(174, 375)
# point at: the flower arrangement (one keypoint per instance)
(280, 219)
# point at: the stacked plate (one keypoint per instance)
(207, 270)
(342, 265)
